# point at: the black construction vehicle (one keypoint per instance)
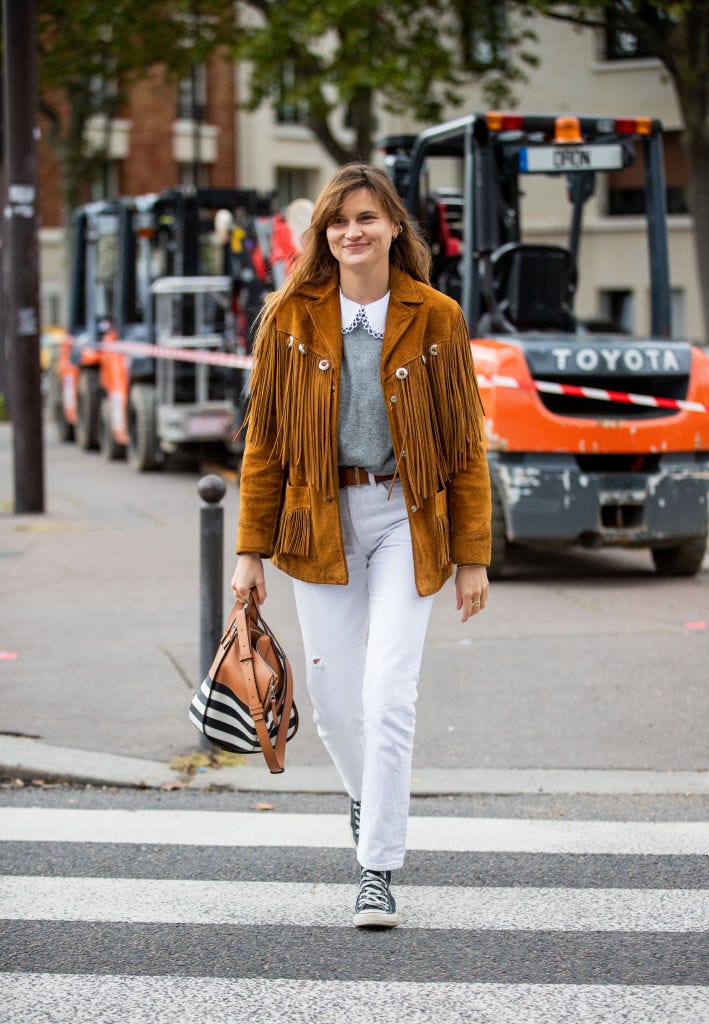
(595, 437)
(208, 244)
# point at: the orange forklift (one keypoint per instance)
(72, 393)
(207, 250)
(595, 437)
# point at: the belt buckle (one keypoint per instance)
(356, 476)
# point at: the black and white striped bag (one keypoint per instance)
(246, 703)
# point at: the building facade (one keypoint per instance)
(169, 133)
(197, 131)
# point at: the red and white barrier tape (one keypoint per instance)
(179, 355)
(245, 362)
(597, 394)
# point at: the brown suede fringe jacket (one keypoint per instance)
(289, 509)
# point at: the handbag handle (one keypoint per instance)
(274, 754)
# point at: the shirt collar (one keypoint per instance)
(372, 316)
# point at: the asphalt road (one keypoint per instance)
(564, 916)
(582, 659)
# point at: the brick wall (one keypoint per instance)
(221, 111)
(151, 109)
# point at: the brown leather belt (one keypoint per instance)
(355, 476)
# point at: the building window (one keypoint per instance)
(192, 95)
(626, 188)
(295, 183)
(288, 112)
(617, 308)
(619, 43)
(484, 34)
(106, 184)
(677, 313)
(193, 175)
(51, 306)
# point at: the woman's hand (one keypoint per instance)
(247, 575)
(471, 588)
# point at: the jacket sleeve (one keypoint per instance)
(262, 474)
(469, 487)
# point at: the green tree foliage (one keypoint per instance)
(347, 58)
(344, 58)
(677, 34)
(92, 51)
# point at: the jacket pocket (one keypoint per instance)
(295, 534)
(443, 529)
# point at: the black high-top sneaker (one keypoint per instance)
(355, 807)
(375, 906)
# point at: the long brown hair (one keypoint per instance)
(316, 264)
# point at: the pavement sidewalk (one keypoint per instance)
(99, 628)
(99, 634)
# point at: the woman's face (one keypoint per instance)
(360, 234)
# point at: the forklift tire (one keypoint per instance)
(683, 559)
(88, 400)
(108, 446)
(499, 537)
(143, 449)
(64, 429)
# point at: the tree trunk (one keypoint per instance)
(321, 130)
(362, 114)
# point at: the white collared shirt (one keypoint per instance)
(372, 316)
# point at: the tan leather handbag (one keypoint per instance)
(246, 702)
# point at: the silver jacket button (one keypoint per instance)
(402, 373)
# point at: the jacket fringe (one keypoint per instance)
(295, 532)
(443, 541)
(292, 386)
(442, 413)
(291, 411)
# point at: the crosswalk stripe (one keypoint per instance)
(78, 999)
(227, 828)
(329, 905)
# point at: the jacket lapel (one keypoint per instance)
(326, 319)
(403, 335)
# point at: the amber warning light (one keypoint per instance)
(567, 131)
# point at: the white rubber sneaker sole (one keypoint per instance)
(375, 919)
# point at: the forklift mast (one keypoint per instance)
(496, 150)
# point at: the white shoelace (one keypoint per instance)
(373, 891)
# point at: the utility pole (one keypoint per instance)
(4, 383)
(20, 250)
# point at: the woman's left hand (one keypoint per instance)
(471, 588)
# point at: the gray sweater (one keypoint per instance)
(363, 439)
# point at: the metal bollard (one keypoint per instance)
(211, 490)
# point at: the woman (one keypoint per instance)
(364, 478)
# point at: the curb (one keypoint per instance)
(27, 759)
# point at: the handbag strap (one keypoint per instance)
(273, 753)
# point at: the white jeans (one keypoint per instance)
(363, 647)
